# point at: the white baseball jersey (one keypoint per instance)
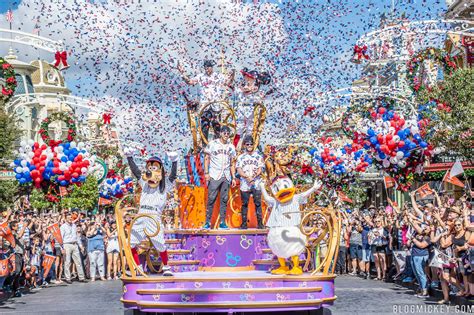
(286, 214)
(212, 89)
(244, 107)
(221, 155)
(250, 164)
(152, 202)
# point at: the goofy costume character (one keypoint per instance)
(285, 238)
(155, 187)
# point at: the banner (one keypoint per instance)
(48, 261)
(439, 259)
(104, 202)
(452, 180)
(424, 191)
(7, 233)
(54, 229)
(400, 259)
(5, 267)
(389, 182)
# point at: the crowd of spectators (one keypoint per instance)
(427, 243)
(70, 244)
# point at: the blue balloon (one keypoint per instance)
(22, 181)
(373, 140)
(19, 176)
(371, 132)
(82, 178)
(423, 144)
(66, 145)
(63, 183)
(64, 159)
(17, 162)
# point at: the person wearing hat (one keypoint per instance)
(247, 96)
(219, 170)
(212, 85)
(250, 166)
(155, 187)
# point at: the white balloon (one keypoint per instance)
(31, 154)
(402, 164)
(21, 150)
(386, 163)
(400, 155)
(19, 169)
(31, 142)
(25, 169)
(73, 144)
(22, 143)
(60, 149)
(69, 163)
(379, 122)
(83, 170)
(80, 145)
(414, 130)
(396, 138)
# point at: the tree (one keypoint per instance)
(84, 197)
(38, 200)
(9, 133)
(452, 122)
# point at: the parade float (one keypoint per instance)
(226, 270)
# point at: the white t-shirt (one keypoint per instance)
(250, 163)
(212, 88)
(221, 155)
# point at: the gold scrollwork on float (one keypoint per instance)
(226, 118)
(124, 234)
(331, 231)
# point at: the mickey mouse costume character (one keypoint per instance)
(247, 96)
(155, 187)
(285, 238)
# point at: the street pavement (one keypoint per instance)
(355, 296)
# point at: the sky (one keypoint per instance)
(124, 55)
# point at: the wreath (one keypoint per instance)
(8, 73)
(64, 117)
(438, 55)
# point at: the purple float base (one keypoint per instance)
(242, 291)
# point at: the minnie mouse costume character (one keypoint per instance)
(155, 187)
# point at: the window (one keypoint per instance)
(20, 88)
(29, 85)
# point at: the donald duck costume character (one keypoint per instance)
(285, 238)
(155, 187)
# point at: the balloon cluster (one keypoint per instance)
(339, 165)
(66, 164)
(397, 145)
(115, 187)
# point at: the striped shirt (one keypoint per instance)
(278, 218)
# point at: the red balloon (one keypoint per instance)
(389, 137)
(36, 145)
(381, 110)
(61, 177)
(56, 163)
(75, 175)
(43, 157)
(41, 169)
(401, 122)
(373, 114)
(401, 143)
(43, 146)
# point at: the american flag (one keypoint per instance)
(9, 16)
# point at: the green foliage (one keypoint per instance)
(8, 192)
(39, 201)
(84, 197)
(440, 174)
(453, 129)
(9, 132)
(357, 192)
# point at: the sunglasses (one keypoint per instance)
(248, 144)
(225, 133)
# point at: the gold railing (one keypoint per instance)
(124, 236)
